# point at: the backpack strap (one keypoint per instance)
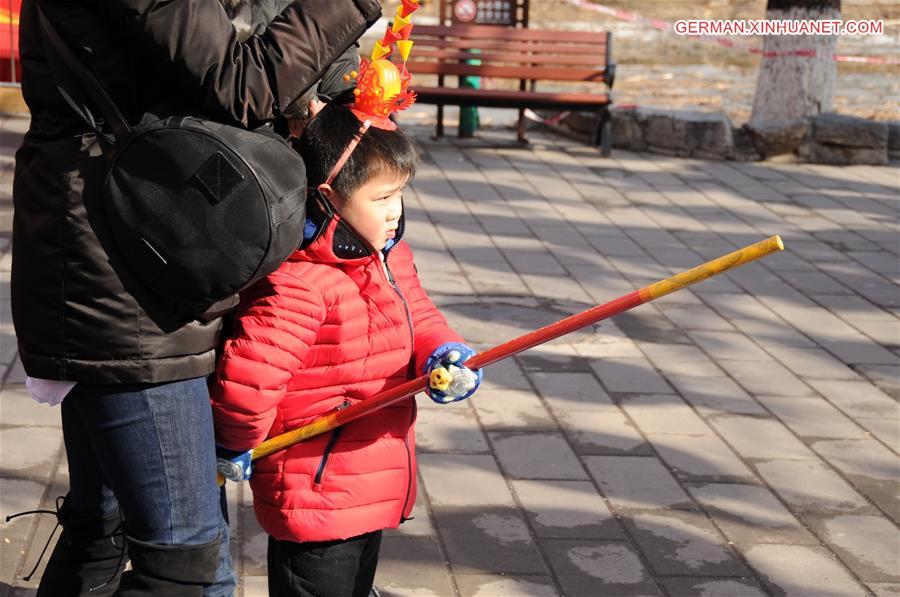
(87, 84)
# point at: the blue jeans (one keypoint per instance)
(149, 450)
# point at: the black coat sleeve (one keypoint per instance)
(250, 82)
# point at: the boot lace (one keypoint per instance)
(62, 510)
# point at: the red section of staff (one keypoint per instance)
(555, 330)
(526, 341)
(483, 359)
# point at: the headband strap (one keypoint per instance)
(350, 147)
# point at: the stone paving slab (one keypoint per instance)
(714, 395)
(739, 438)
(884, 589)
(512, 409)
(454, 430)
(694, 587)
(536, 456)
(801, 570)
(859, 399)
(771, 378)
(661, 414)
(885, 430)
(813, 418)
(637, 483)
(868, 545)
(602, 432)
(412, 566)
(683, 543)
(821, 490)
(700, 458)
(493, 540)
(584, 566)
(630, 375)
(566, 509)
(681, 359)
(871, 467)
(749, 514)
(484, 585)
(758, 438)
(566, 392)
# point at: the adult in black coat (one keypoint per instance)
(135, 416)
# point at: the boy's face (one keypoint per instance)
(374, 209)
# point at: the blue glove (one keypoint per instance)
(234, 466)
(448, 379)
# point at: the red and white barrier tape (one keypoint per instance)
(627, 15)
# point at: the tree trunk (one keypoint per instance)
(792, 87)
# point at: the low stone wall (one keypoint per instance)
(838, 139)
(823, 139)
(674, 132)
(894, 141)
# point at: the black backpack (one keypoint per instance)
(197, 209)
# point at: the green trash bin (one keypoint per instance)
(468, 115)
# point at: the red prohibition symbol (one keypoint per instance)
(465, 10)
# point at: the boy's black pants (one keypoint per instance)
(342, 568)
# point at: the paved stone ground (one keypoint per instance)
(737, 439)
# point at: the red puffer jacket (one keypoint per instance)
(326, 329)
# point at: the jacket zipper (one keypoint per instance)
(390, 277)
(409, 472)
(409, 479)
(328, 448)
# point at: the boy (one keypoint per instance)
(343, 319)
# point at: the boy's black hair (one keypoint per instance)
(329, 133)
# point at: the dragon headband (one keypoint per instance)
(382, 87)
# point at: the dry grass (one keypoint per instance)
(664, 70)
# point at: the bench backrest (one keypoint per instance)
(525, 54)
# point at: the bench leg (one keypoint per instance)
(604, 131)
(439, 125)
(521, 126)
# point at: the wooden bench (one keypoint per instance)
(524, 55)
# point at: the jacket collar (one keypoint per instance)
(328, 238)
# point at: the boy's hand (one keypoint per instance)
(234, 466)
(449, 380)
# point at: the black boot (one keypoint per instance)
(170, 570)
(88, 558)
